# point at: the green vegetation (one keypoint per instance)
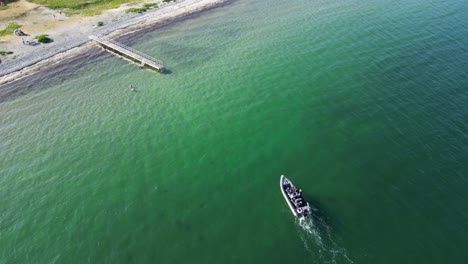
(44, 38)
(4, 52)
(135, 10)
(5, 4)
(100, 24)
(167, 1)
(84, 7)
(150, 5)
(91, 7)
(9, 29)
(142, 9)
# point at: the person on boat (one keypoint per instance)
(298, 201)
(297, 193)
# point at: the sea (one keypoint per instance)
(363, 104)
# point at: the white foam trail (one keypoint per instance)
(318, 240)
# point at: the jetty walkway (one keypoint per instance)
(123, 50)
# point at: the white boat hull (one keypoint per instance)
(296, 203)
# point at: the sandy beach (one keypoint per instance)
(71, 34)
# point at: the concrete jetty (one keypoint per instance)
(125, 51)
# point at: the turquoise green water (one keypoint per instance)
(362, 104)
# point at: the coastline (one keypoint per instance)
(117, 25)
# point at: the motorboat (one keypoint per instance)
(293, 196)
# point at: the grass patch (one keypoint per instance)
(100, 24)
(9, 29)
(150, 5)
(5, 52)
(142, 9)
(84, 7)
(168, 1)
(135, 10)
(5, 4)
(44, 38)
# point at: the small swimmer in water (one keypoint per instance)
(132, 88)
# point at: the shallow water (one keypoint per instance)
(360, 103)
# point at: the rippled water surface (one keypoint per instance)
(362, 104)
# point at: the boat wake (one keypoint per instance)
(317, 238)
